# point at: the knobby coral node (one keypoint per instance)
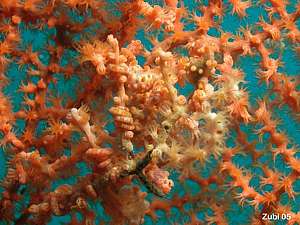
(142, 112)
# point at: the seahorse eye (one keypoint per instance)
(167, 126)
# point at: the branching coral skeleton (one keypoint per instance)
(126, 120)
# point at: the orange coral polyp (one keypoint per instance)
(240, 7)
(117, 109)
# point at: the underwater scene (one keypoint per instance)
(163, 112)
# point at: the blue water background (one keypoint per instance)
(38, 39)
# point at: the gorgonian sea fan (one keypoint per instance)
(137, 112)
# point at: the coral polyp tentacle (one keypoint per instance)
(114, 111)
